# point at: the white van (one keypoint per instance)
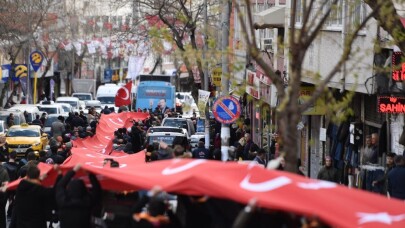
(31, 109)
(73, 101)
(106, 95)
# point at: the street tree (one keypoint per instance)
(314, 14)
(20, 21)
(178, 24)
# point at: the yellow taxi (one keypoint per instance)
(24, 136)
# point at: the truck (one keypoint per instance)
(152, 89)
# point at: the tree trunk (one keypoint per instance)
(288, 120)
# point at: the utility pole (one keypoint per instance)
(225, 25)
(206, 79)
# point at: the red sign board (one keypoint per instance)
(391, 104)
(398, 68)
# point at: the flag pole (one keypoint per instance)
(130, 96)
(35, 87)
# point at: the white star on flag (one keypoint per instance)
(382, 217)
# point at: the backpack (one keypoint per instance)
(12, 171)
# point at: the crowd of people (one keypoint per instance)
(368, 174)
(71, 204)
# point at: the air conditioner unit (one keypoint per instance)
(266, 44)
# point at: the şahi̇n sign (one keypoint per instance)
(391, 104)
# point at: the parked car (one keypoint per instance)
(2, 127)
(49, 120)
(51, 108)
(96, 104)
(170, 138)
(24, 136)
(196, 138)
(73, 101)
(19, 117)
(32, 111)
(181, 123)
(67, 107)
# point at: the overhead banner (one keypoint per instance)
(135, 66)
(203, 97)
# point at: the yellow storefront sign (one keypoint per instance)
(318, 108)
(216, 76)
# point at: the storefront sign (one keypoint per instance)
(216, 76)
(398, 67)
(318, 108)
(391, 104)
(252, 84)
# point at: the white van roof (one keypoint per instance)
(67, 99)
(107, 90)
(25, 107)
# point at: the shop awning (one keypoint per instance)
(273, 17)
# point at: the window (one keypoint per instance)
(359, 13)
(298, 13)
(335, 18)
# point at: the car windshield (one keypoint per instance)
(73, 103)
(82, 97)
(17, 132)
(106, 100)
(49, 110)
(176, 123)
(66, 108)
(17, 120)
(50, 120)
(169, 140)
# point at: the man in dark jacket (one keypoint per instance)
(74, 202)
(32, 201)
(396, 179)
(201, 151)
(37, 121)
(3, 197)
(328, 172)
(136, 137)
(382, 181)
(77, 121)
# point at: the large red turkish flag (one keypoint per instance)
(123, 96)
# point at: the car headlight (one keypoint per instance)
(36, 144)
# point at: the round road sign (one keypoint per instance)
(226, 109)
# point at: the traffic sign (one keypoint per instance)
(226, 109)
(36, 59)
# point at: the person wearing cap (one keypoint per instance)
(328, 172)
